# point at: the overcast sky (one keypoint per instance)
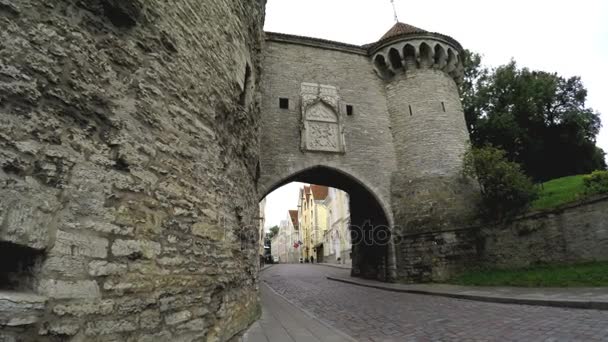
(567, 37)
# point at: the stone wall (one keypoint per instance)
(128, 161)
(572, 233)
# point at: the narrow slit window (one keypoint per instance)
(283, 103)
(443, 106)
(410, 106)
(349, 110)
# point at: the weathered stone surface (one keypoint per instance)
(136, 248)
(178, 317)
(84, 308)
(61, 328)
(80, 245)
(69, 289)
(106, 327)
(150, 319)
(64, 265)
(26, 211)
(19, 309)
(104, 268)
(573, 233)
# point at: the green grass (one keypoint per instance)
(589, 274)
(559, 191)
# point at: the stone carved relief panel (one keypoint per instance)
(322, 127)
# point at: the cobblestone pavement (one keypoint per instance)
(369, 314)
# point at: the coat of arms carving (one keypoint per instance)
(322, 126)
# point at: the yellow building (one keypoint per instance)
(313, 219)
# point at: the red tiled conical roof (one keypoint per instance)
(401, 28)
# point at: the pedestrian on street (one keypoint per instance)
(312, 260)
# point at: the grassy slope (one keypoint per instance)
(588, 274)
(553, 193)
(559, 191)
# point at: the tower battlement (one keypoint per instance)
(405, 47)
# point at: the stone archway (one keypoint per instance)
(370, 226)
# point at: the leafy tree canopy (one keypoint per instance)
(505, 190)
(273, 232)
(540, 119)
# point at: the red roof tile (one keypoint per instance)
(293, 214)
(319, 192)
(401, 28)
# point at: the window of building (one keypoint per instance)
(283, 103)
(349, 110)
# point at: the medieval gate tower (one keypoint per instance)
(387, 114)
(137, 137)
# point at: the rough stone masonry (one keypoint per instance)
(128, 159)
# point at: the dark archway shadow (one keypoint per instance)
(369, 224)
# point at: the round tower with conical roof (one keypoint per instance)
(422, 71)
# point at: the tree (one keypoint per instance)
(505, 189)
(540, 119)
(273, 232)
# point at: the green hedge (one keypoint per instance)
(596, 183)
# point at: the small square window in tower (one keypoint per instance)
(283, 103)
(349, 110)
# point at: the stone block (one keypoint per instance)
(178, 317)
(27, 212)
(198, 324)
(104, 268)
(61, 328)
(136, 248)
(106, 327)
(19, 309)
(65, 265)
(61, 289)
(85, 308)
(80, 245)
(150, 319)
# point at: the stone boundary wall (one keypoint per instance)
(573, 233)
(128, 156)
(576, 232)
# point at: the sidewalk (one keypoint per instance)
(580, 298)
(281, 321)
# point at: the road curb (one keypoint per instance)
(334, 266)
(572, 304)
(267, 266)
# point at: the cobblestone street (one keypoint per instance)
(368, 314)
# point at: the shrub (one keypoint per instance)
(596, 183)
(505, 190)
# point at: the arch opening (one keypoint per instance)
(425, 55)
(382, 67)
(395, 59)
(410, 56)
(368, 226)
(440, 57)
